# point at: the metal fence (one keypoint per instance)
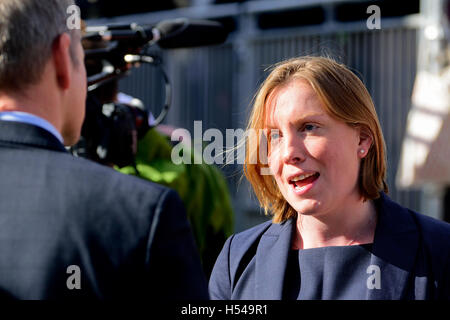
(216, 84)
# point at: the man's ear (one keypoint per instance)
(62, 61)
(365, 141)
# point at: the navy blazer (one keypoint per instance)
(129, 238)
(411, 249)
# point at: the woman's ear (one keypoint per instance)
(365, 141)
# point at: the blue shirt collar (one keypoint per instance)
(19, 116)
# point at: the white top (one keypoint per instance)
(25, 117)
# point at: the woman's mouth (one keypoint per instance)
(302, 183)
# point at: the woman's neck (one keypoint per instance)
(353, 225)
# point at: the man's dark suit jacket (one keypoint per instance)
(129, 238)
(411, 250)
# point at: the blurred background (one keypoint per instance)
(404, 64)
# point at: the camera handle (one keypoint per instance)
(110, 73)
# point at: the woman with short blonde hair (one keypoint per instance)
(335, 234)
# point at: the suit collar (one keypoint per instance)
(271, 261)
(12, 132)
(394, 252)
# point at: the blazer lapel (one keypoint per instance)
(394, 251)
(12, 132)
(271, 261)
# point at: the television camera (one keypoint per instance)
(112, 128)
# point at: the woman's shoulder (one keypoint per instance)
(433, 235)
(250, 235)
(236, 248)
(245, 243)
(433, 230)
(405, 219)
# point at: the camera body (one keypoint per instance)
(111, 131)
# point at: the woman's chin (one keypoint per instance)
(306, 206)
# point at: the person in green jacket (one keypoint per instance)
(202, 188)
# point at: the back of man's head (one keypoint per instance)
(27, 31)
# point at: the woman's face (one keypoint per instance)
(314, 158)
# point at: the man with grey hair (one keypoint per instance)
(70, 228)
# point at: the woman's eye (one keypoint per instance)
(309, 127)
(274, 135)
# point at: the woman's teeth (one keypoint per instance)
(302, 177)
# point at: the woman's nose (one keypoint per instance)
(293, 150)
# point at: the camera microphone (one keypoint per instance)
(169, 34)
(186, 33)
(132, 34)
